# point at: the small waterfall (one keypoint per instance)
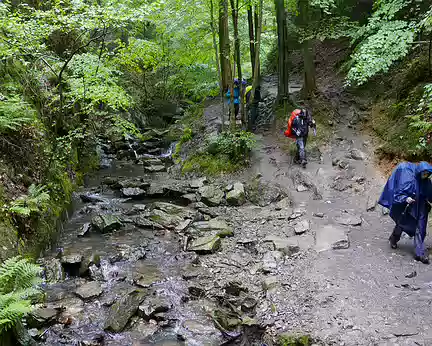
(169, 151)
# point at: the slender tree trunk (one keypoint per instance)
(227, 81)
(308, 54)
(224, 42)
(256, 19)
(251, 37)
(283, 73)
(215, 46)
(256, 79)
(237, 57)
(430, 56)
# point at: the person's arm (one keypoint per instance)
(296, 127)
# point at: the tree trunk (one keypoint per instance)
(215, 46)
(308, 54)
(224, 46)
(256, 18)
(283, 73)
(256, 78)
(251, 37)
(237, 58)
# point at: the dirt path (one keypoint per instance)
(354, 296)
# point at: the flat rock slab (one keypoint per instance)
(205, 245)
(89, 290)
(331, 237)
(146, 274)
(291, 245)
(348, 220)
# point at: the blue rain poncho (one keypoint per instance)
(405, 182)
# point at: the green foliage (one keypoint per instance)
(235, 145)
(379, 51)
(15, 113)
(210, 164)
(290, 340)
(36, 201)
(19, 281)
(125, 129)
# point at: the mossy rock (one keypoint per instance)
(294, 340)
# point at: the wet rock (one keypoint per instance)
(88, 197)
(301, 188)
(236, 196)
(205, 245)
(371, 204)
(211, 195)
(110, 181)
(217, 226)
(297, 213)
(155, 168)
(153, 305)
(173, 209)
(264, 193)
(248, 304)
(291, 245)
(319, 215)
(146, 274)
(84, 230)
(53, 270)
(142, 330)
(205, 332)
(88, 260)
(166, 220)
(226, 320)
(190, 197)
(348, 220)
(42, 317)
(234, 288)
(131, 253)
(133, 192)
(270, 283)
(341, 185)
(357, 155)
(331, 237)
(183, 225)
(284, 204)
(196, 291)
(198, 183)
(116, 291)
(340, 163)
(89, 290)
(302, 227)
(152, 162)
(105, 223)
(191, 271)
(121, 311)
(270, 261)
(142, 222)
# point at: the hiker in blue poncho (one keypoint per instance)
(407, 195)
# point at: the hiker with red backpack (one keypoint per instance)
(298, 129)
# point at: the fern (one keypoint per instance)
(14, 113)
(19, 281)
(35, 202)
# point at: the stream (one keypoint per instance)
(119, 273)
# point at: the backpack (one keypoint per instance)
(289, 132)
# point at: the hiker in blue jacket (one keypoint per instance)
(236, 91)
(407, 195)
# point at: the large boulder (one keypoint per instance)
(42, 317)
(105, 223)
(217, 226)
(122, 310)
(205, 245)
(133, 192)
(153, 305)
(146, 274)
(237, 195)
(89, 290)
(211, 195)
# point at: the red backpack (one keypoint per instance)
(289, 132)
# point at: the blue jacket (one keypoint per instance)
(236, 95)
(405, 182)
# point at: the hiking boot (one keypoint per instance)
(304, 163)
(422, 259)
(393, 242)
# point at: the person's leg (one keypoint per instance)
(236, 109)
(301, 147)
(419, 237)
(304, 144)
(297, 155)
(395, 236)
